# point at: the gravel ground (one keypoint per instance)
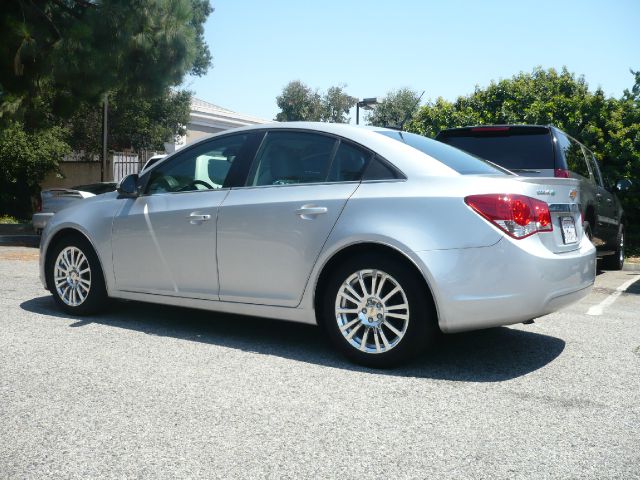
(157, 392)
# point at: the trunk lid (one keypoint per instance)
(56, 199)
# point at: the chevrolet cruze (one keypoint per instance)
(380, 237)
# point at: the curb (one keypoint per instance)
(20, 240)
(631, 267)
(11, 229)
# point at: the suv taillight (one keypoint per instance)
(517, 215)
(561, 173)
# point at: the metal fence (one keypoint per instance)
(126, 163)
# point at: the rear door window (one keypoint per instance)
(287, 157)
(515, 149)
(348, 163)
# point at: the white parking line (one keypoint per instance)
(598, 309)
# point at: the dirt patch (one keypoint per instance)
(25, 255)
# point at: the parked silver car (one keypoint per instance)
(54, 199)
(379, 236)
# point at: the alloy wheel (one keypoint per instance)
(72, 276)
(372, 311)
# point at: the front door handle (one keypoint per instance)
(196, 218)
(307, 211)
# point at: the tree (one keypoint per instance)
(395, 108)
(57, 59)
(134, 123)
(298, 102)
(541, 97)
(79, 49)
(336, 105)
(25, 159)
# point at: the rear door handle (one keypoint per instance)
(196, 218)
(310, 211)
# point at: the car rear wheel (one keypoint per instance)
(377, 311)
(75, 278)
(616, 261)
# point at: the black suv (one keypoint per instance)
(546, 151)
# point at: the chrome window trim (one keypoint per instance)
(186, 191)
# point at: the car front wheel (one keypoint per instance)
(75, 278)
(377, 311)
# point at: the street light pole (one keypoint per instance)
(105, 110)
(365, 104)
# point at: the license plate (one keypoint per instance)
(568, 230)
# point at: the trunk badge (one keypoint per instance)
(573, 194)
(546, 192)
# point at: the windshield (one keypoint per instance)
(514, 149)
(458, 160)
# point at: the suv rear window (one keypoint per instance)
(513, 148)
(455, 159)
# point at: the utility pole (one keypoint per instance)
(105, 110)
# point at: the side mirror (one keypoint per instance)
(128, 187)
(623, 184)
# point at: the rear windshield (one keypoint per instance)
(513, 150)
(453, 158)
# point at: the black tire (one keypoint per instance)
(95, 295)
(586, 226)
(421, 327)
(616, 261)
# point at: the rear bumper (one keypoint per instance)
(40, 220)
(509, 282)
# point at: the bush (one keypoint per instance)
(25, 159)
(8, 219)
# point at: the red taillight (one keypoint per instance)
(561, 173)
(38, 204)
(517, 215)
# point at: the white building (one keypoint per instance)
(207, 118)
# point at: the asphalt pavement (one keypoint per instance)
(148, 391)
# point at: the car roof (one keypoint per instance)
(409, 160)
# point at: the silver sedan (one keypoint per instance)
(380, 237)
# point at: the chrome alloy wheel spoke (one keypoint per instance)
(361, 301)
(72, 276)
(376, 340)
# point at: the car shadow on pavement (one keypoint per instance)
(634, 288)
(491, 355)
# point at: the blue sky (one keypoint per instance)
(444, 47)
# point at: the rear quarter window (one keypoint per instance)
(453, 158)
